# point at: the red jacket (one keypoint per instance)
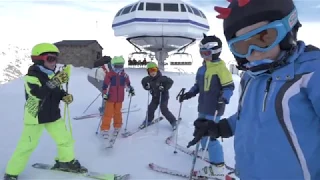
(114, 85)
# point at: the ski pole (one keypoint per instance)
(208, 140)
(97, 131)
(158, 119)
(147, 113)
(194, 160)
(179, 116)
(125, 129)
(91, 103)
(100, 122)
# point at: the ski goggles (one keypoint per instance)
(264, 38)
(118, 66)
(48, 57)
(205, 53)
(153, 70)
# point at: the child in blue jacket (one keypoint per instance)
(215, 86)
(277, 126)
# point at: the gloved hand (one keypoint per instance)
(67, 98)
(161, 88)
(131, 91)
(185, 96)
(147, 87)
(204, 128)
(106, 96)
(59, 79)
(222, 100)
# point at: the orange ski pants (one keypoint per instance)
(111, 110)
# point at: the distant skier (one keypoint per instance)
(215, 86)
(43, 95)
(115, 82)
(158, 85)
(97, 74)
(277, 126)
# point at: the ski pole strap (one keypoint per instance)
(181, 93)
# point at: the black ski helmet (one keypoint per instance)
(243, 13)
(216, 46)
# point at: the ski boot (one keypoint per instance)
(72, 166)
(143, 125)
(10, 177)
(212, 172)
(174, 125)
(105, 134)
(116, 131)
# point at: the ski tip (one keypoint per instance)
(122, 177)
(36, 165)
(151, 165)
(168, 140)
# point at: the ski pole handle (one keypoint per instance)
(181, 93)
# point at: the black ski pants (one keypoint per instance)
(163, 108)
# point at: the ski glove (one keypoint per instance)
(161, 88)
(204, 128)
(147, 87)
(185, 96)
(106, 96)
(222, 100)
(68, 98)
(131, 91)
(59, 79)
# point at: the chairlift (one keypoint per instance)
(183, 62)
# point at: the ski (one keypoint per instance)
(190, 152)
(94, 115)
(172, 172)
(89, 174)
(113, 139)
(130, 133)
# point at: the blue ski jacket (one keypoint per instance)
(277, 125)
(213, 81)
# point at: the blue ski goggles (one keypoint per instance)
(264, 38)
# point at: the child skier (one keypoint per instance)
(43, 94)
(113, 89)
(215, 86)
(158, 86)
(277, 126)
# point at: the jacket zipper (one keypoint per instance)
(243, 93)
(266, 92)
(118, 84)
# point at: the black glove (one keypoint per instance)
(204, 128)
(185, 96)
(131, 91)
(222, 100)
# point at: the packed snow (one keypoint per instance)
(129, 155)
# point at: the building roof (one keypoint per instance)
(77, 43)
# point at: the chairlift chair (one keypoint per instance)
(189, 63)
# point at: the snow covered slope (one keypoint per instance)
(129, 155)
(14, 62)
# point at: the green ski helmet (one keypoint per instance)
(152, 65)
(42, 48)
(117, 60)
